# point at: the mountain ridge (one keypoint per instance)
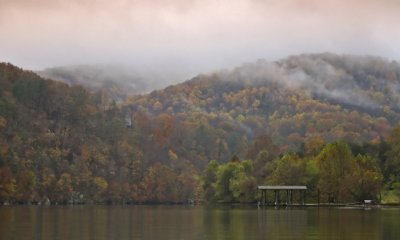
(269, 92)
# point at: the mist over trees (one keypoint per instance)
(118, 81)
(326, 121)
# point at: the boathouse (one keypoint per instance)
(283, 195)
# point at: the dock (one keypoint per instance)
(283, 195)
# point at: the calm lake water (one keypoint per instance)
(198, 222)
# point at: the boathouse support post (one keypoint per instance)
(279, 197)
(289, 194)
(265, 196)
(287, 197)
(262, 197)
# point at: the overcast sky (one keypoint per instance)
(192, 35)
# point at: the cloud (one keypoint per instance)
(191, 36)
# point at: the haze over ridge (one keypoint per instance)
(194, 36)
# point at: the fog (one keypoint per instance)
(187, 37)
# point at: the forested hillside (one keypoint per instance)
(350, 98)
(325, 120)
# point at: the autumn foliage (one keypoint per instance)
(326, 121)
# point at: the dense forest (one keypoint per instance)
(326, 121)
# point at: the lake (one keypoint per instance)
(195, 222)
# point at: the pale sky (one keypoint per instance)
(192, 36)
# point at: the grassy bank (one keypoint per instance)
(390, 197)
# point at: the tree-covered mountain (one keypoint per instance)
(214, 137)
(336, 97)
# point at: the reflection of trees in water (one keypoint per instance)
(184, 222)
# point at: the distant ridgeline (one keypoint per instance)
(325, 121)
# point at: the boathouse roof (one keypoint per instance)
(282, 187)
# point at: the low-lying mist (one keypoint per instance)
(363, 81)
(118, 80)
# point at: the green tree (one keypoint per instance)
(210, 178)
(225, 173)
(392, 164)
(242, 184)
(365, 179)
(334, 163)
(234, 182)
(290, 170)
(264, 165)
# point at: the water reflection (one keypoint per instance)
(183, 222)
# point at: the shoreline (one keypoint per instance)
(232, 204)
